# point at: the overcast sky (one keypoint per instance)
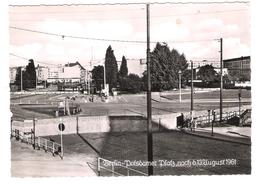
(191, 29)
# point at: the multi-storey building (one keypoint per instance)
(42, 73)
(239, 67)
(12, 74)
(197, 64)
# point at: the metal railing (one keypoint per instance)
(200, 120)
(38, 142)
(112, 167)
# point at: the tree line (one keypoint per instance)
(165, 65)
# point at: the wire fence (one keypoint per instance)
(38, 142)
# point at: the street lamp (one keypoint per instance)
(180, 84)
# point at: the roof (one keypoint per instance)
(74, 64)
(237, 59)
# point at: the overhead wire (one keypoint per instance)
(133, 3)
(103, 39)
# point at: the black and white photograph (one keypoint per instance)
(122, 89)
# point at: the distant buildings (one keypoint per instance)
(215, 64)
(42, 73)
(68, 73)
(239, 67)
(12, 74)
(198, 63)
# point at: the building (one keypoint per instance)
(73, 72)
(12, 74)
(69, 73)
(197, 64)
(42, 73)
(53, 75)
(239, 67)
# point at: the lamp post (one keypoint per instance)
(180, 84)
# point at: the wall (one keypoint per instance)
(91, 124)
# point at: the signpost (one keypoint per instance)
(61, 127)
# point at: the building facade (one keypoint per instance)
(68, 73)
(42, 73)
(239, 67)
(197, 64)
(12, 74)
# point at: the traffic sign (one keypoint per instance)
(61, 127)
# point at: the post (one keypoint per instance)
(239, 102)
(104, 75)
(212, 124)
(77, 121)
(191, 95)
(209, 116)
(21, 79)
(221, 80)
(61, 145)
(98, 166)
(180, 85)
(34, 119)
(149, 105)
(35, 79)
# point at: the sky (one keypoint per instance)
(192, 29)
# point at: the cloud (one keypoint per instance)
(209, 25)
(169, 31)
(232, 47)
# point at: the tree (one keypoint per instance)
(98, 76)
(18, 77)
(111, 68)
(208, 75)
(131, 83)
(30, 75)
(165, 65)
(123, 72)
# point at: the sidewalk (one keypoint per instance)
(233, 137)
(27, 162)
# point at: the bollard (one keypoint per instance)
(57, 113)
(39, 143)
(17, 134)
(98, 168)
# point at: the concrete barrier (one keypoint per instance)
(91, 124)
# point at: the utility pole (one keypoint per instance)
(191, 95)
(105, 74)
(21, 79)
(34, 120)
(221, 80)
(36, 78)
(149, 105)
(180, 85)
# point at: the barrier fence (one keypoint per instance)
(200, 120)
(112, 169)
(38, 142)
